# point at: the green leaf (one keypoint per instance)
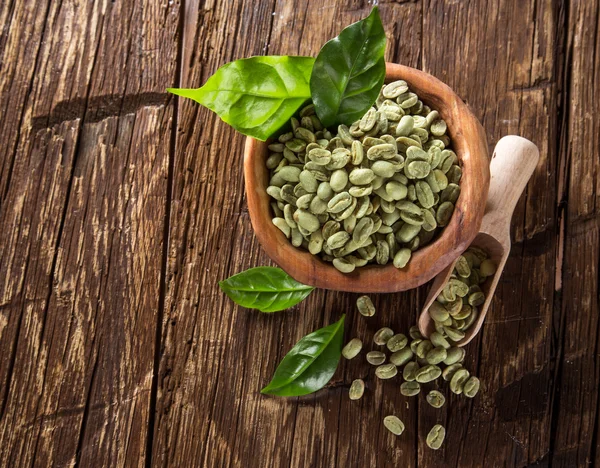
(349, 72)
(256, 95)
(310, 364)
(267, 289)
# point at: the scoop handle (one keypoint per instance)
(514, 160)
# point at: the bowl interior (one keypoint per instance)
(468, 142)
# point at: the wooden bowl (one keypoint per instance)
(469, 143)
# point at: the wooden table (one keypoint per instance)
(121, 207)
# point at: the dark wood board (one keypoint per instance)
(122, 207)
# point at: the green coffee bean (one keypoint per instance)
(450, 193)
(454, 335)
(288, 215)
(424, 194)
(444, 213)
(454, 355)
(287, 194)
(394, 425)
(338, 180)
(435, 399)
(382, 336)
(381, 151)
(339, 158)
(423, 348)
(410, 388)
(276, 147)
(274, 192)
(296, 237)
(415, 344)
(487, 268)
(454, 174)
(410, 370)
(449, 371)
(340, 202)
(283, 226)
(383, 252)
(324, 191)
(394, 89)
(458, 380)
(330, 228)
(397, 342)
(343, 265)
(439, 341)
(436, 355)
(357, 153)
(338, 240)
(396, 190)
(402, 257)
(405, 126)
(438, 127)
(407, 100)
(344, 134)
(370, 141)
(459, 287)
(365, 306)
(415, 333)
(438, 312)
(307, 220)
(375, 358)
(407, 232)
(462, 267)
(274, 160)
(428, 373)
(357, 389)
(276, 210)
(412, 194)
(465, 311)
(476, 299)
(352, 348)
(386, 371)
(390, 218)
(369, 120)
(417, 169)
(315, 244)
(471, 387)
(436, 436)
(383, 168)
(303, 201)
(400, 358)
(362, 207)
(360, 176)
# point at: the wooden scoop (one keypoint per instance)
(512, 165)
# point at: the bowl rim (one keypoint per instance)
(469, 143)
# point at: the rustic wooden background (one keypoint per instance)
(121, 207)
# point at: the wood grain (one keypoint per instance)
(84, 204)
(121, 209)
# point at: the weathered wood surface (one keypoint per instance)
(122, 207)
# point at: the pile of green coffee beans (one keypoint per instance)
(419, 361)
(373, 193)
(455, 309)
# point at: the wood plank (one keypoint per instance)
(17, 58)
(500, 58)
(204, 340)
(575, 442)
(81, 270)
